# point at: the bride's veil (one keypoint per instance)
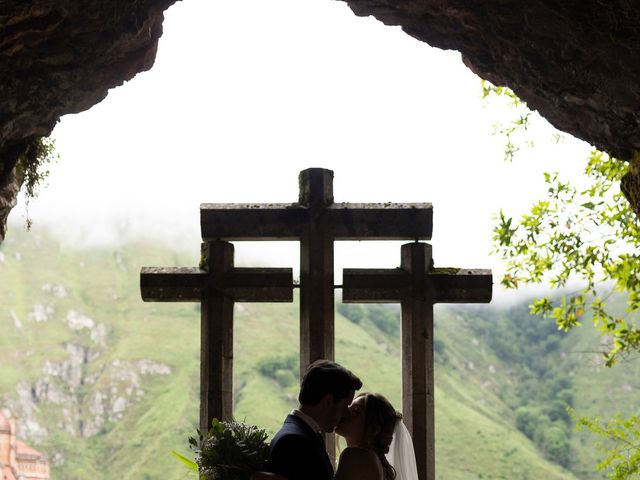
(401, 455)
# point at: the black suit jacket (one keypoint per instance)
(298, 453)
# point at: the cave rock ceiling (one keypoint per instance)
(576, 62)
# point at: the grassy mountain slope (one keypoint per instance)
(107, 385)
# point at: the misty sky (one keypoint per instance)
(245, 94)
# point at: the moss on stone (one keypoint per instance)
(33, 162)
(446, 270)
(204, 257)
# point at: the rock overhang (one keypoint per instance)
(576, 63)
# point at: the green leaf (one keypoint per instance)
(190, 464)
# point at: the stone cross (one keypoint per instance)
(417, 286)
(216, 284)
(316, 221)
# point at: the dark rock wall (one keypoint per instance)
(62, 56)
(8, 193)
(577, 62)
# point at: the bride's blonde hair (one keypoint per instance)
(379, 422)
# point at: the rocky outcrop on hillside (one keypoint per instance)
(84, 393)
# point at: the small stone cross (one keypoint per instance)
(217, 284)
(417, 286)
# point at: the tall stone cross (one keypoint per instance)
(217, 284)
(316, 222)
(417, 286)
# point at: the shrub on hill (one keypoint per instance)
(282, 369)
(543, 390)
(384, 318)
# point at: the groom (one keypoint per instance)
(297, 451)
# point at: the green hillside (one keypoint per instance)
(107, 385)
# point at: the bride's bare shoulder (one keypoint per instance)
(357, 453)
(356, 462)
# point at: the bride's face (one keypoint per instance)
(352, 424)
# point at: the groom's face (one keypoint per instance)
(337, 411)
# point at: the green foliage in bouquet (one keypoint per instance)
(230, 451)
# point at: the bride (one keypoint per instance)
(378, 444)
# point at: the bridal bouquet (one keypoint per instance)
(230, 451)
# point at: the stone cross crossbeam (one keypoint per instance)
(417, 286)
(217, 285)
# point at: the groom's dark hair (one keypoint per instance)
(323, 377)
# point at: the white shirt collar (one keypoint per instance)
(307, 419)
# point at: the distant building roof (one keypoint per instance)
(4, 423)
(24, 450)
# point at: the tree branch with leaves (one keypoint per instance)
(587, 236)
